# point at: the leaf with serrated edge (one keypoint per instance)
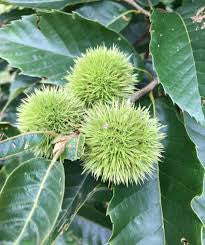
(173, 60)
(111, 14)
(35, 191)
(196, 133)
(156, 214)
(196, 32)
(132, 210)
(50, 48)
(181, 179)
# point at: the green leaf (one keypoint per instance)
(14, 14)
(19, 144)
(203, 236)
(198, 204)
(7, 130)
(101, 197)
(30, 201)
(88, 227)
(196, 133)
(47, 4)
(113, 15)
(50, 48)
(135, 210)
(74, 148)
(174, 62)
(167, 1)
(11, 164)
(159, 210)
(20, 84)
(147, 2)
(181, 179)
(78, 188)
(196, 31)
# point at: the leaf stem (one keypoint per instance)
(138, 7)
(138, 94)
(151, 96)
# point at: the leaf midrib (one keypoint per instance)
(35, 204)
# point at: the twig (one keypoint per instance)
(138, 7)
(138, 94)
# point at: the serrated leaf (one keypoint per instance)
(196, 28)
(47, 4)
(158, 216)
(113, 15)
(50, 48)
(136, 214)
(78, 188)
(196, 133)
(198, 204)
(174, 62)
(35, 191)
(181, 179)
(19, 144)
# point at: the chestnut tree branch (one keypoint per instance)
(138, 94)
(138, 7)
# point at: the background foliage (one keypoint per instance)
(54, 202)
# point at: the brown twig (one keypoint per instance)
(138, 94)
(138, 7)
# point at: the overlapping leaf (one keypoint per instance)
(20, 84)
(174, 61)
(181, 179)
(30, 201)
(78, 188)
(109, 13)
(136, 210)
(55, 41)
(88, 227)
(192, 15)
(197, 134)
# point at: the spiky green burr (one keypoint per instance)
(102, 74)
(50, 109)
(122, 143)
